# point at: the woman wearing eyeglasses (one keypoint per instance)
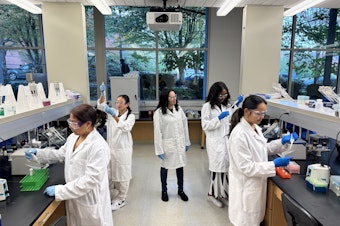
(171, 140)
(86, 156)
(249, 166)
(215, 123)
(120, 122)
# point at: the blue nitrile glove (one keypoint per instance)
(187, 148)
(102, 87)
(50, 191)
(109, 110)
(239, 100)
(29, 152)
(286, 139)
(223, 114)
(284, 161)
(161, 156)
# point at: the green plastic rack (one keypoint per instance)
(34, 182)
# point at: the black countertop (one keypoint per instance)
(324, 207)
(23, 208)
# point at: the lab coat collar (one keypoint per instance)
(257, 135)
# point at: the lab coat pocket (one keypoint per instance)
(251, 200)
(88, 215)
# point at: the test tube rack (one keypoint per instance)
(34, 182)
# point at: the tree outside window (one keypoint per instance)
(312, 58)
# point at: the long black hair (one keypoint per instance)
(251, 102)
(214, 93)
(163, 100)
(127, 101)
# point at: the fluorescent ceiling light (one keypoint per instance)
(301, 7)
(227, 6)
(26, 5)
(102, 6)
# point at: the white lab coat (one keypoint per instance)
(120, 142)
(216, 132)
(248, 172)
(87, 187)
(171, 135)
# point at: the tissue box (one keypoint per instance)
(334, 184)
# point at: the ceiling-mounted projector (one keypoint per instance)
(164, 21)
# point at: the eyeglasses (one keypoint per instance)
(73, 124)
(120, 103)
(259, 113)
(223, 96)
(173, 97)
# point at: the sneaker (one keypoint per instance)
(118, 204)
(215, 201)
(165, 196)
(183, 196)
(225, 200)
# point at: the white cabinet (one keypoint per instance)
(126, 86)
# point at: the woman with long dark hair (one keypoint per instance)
(171, 140)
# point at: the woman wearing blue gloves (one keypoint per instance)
(120, 122)
(249, 166)
(86, 156)
(171, 140)
(215, 122)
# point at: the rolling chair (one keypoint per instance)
(295, 214)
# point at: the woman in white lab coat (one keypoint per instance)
(215, 123)
(86, 156)
(249, 166)
(120, 122)
(171, 140)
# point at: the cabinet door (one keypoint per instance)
(128, 86)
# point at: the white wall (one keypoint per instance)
(225, 35)
(65, 43)
(261, 45)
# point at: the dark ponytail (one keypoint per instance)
(127, 101)
(251, 102)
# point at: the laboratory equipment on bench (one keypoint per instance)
(318, 144)
(30, 97)
(4, 193)
(57, 93)
(317, 177)
(8, 102)
(281, 172)
(334, 184)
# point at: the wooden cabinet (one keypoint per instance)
(274, 211)
(52, 213)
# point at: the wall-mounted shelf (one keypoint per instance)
(322, 122)
(19, 123)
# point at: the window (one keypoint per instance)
(311, 59)
(22, 49)
(172, 58)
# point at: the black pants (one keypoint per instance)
(179, 173)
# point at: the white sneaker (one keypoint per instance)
(117, 204)
(225, 200)
(215, 201)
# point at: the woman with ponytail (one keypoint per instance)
(249, 166)
(120, 122)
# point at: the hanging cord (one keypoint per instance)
(332, 151)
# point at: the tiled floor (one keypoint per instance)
(144, 205)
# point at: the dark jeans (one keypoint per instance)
(179, 173)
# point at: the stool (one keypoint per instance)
(295, 214)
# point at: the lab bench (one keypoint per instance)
(32, 208)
